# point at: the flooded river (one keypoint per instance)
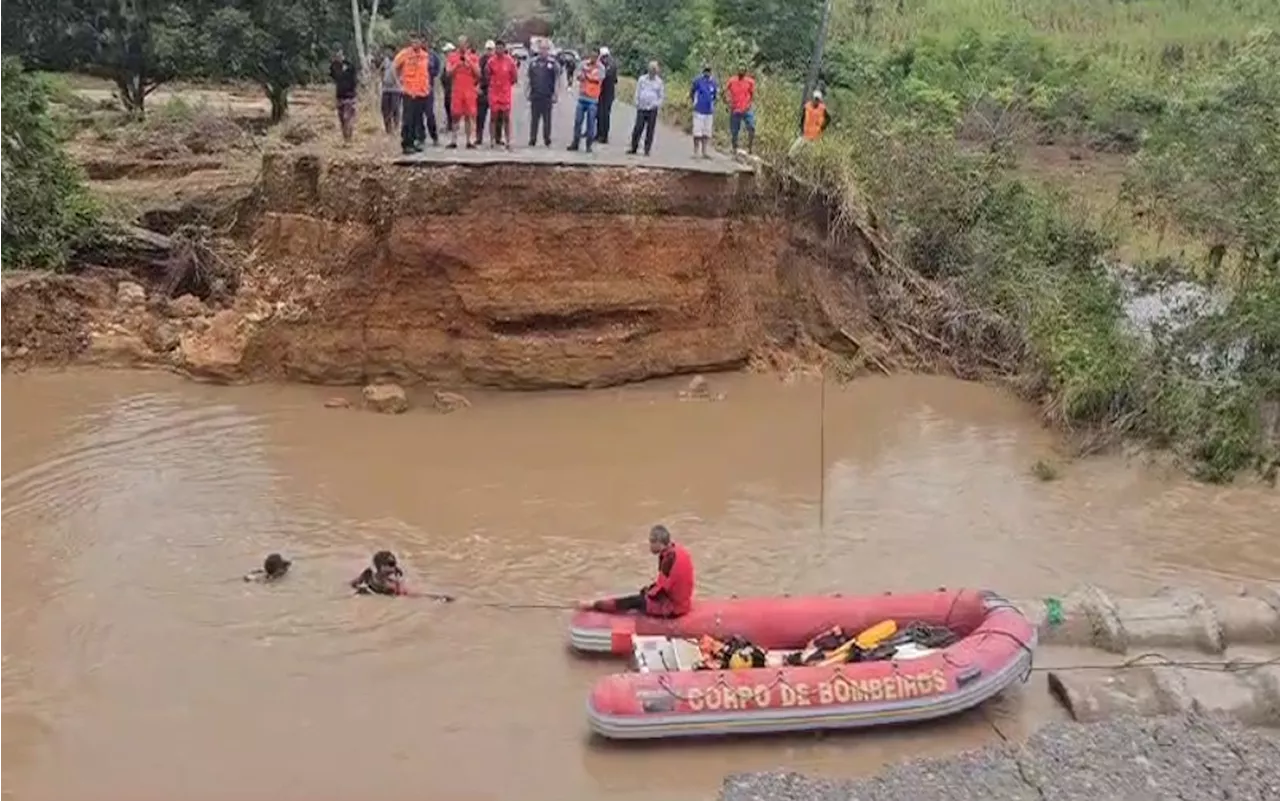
(138, 665)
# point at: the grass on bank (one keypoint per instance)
(1018, 280)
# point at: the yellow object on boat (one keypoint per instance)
(876, 634)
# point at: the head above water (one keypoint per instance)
(275, 565)
(659, 538)
(385, 564)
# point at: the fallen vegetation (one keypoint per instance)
(985, 268)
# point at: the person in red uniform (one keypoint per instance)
(503, 74)
(463, 69)
(670, 594)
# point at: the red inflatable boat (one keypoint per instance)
(670, 694)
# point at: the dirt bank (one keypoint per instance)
(1125, 759)
(515, 276)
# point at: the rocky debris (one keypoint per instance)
(186, 306)
(699, 389)
(1124, 759)
(445, 402)
(118, 348)
(129, 293)
(337, 403)
(216, 352)
(386, 398)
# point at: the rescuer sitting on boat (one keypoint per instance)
(671, 593)
(273, 567)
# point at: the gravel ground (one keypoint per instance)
(1126, 759)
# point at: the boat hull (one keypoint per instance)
(774, 622)
(995, 654)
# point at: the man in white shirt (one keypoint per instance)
(650, 94)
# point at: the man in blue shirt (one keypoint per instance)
(703, 94)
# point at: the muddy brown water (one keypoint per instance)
(137, 665)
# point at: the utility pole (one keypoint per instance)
(815, 66)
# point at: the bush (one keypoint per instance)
(47, 211)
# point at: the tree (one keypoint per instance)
(136, 44)
(278, 44)
(47, 211)
(783, 30)
(1212, 163)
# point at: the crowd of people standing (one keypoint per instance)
(478, 91)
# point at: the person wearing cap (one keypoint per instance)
(703, 94)
(274, 567)
(814, 119)
(482, 96)
(502, 72)
(670, 594)
(463, 69)
(446, 83)
(608, 91)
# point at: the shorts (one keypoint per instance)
(463, 105)
(500, 104)
(702, 124)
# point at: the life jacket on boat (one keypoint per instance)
(671, 593)
(736, 654)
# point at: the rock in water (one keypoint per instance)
(446, 402)
(337, 403)
(699, 389)
(386, 398)
(216, 352)
(130, 294)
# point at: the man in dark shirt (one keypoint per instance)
(346, 83)
(543, 90)
(482, 99)
(608, 90)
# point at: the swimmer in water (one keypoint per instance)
(384, 577)
(274, 567)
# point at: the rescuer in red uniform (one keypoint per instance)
(671, 593)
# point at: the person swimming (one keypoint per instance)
(274, 567)
(383, 577)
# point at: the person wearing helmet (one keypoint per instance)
(274, 568)
(670, 594)
(815, 118)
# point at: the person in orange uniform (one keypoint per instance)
(503, 74)
(413, 66)
(815, 118)
(590, 82)
(670, 594)
(463, 69)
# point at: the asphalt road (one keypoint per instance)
(672, 148)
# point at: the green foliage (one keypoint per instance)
(1212, 163)
(446, 20)
(278, 44)
(47, 211)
